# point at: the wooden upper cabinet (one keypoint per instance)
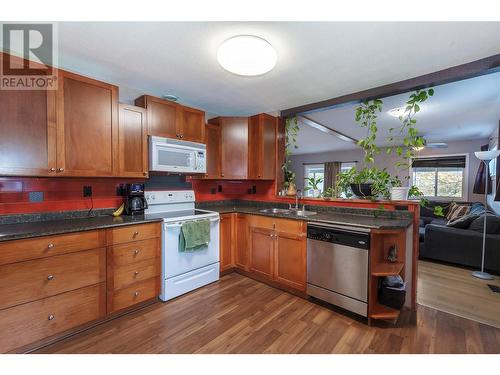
(213, 142)
(234, 147)
(162, 116)
(192, 124)
(262, 147)
(27, 133)
(173, 120)
(87, 126)
(132, 142)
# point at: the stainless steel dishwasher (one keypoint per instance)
(337, 265)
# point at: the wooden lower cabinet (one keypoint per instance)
(53, 284)
(262, 251)
(270, 248)
(240, 241)
(30, 322)
(290, 259)
(226, 248)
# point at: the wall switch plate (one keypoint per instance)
(87, 191)
(219, 188)
(254, 189)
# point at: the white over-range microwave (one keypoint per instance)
(176, 156)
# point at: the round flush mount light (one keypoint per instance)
(171, 97)
(247, 55)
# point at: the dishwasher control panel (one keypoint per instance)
(347, 237)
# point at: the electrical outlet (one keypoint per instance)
(87, 191)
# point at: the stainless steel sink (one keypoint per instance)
(275, 211)
(304, 213)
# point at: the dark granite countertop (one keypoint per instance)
(354, 217)
(49, 227)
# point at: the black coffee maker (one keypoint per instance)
(135, 203)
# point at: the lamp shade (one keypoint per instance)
(487, 155)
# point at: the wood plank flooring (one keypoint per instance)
(240, 315)
(454, 290)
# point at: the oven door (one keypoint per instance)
(175, 263)
(170, 158)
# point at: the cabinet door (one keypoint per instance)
(262, 147)
(234, 143)
(87, 126)
(262, 252)
(241, 243)
(254, 148)
(132, 142)
(27, 133)
(213, 141)
(268, 134)
(192, 125)
(162, 116)
(226, 242)
(290, 260)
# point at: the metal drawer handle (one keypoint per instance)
(136, 273)
(50, 277)
(50, 245)
(136, 294)
(136, 252)
(51, 317)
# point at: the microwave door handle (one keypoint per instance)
(195, 158)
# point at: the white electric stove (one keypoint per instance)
(182, 272)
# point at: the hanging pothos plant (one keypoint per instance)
(291, 132)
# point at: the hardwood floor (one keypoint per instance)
(240, 315)
(454, 290)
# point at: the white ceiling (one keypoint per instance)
(316, 61)
(464, 110)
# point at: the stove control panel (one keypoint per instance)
(169, 196)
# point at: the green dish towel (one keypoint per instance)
(195, 235)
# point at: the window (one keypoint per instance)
(346, 166)
(316, 171)
(442, 177)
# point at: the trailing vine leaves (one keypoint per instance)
(408, 130)
(291, 132)
(366, 116)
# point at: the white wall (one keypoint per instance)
(389, 161)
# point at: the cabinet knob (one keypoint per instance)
(50, 277)
(51, 317)
(136, 234)
(222, 174)
(177, 135)
(144, 173)
(136, 273)
(60, 170)
(259, 176)
(182, 136)
(50, 246)
(136, 294)
(52, 169)
(136, 252)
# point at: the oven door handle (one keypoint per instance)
(177, 225)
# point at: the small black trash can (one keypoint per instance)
(392, 292)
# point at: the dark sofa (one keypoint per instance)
(456, 245)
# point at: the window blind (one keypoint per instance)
(439, 162)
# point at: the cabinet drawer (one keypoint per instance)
(136, 293)
(133, 252)
(131, 233)
(280, 225)
(24, 324)
(36, 279)
(42, 247)
(129, 274)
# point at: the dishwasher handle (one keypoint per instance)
(358, 240)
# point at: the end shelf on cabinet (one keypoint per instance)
(387, 269)
(383, 312)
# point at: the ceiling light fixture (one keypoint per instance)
(171, 97)
(247, 55)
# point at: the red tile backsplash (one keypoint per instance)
(60, 194)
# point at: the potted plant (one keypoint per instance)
(289, 183)
(312, 184)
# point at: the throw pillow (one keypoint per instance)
(492, 224)
(462, 222)
(477, 209)
(457, 211)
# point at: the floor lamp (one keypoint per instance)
(486, 157)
